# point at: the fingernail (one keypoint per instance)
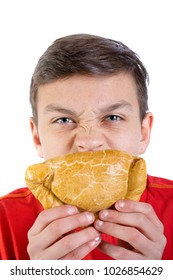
(72, 210)
(95, 241)
(97, 238)
(121, 203)
(104, 213)
(89, 216)
(99, 223)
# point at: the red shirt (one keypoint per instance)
(19, 209)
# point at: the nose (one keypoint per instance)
(92, 140)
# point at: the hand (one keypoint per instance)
(137, 227)
(52, 236)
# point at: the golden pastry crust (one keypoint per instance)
(91, 181)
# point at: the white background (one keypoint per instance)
(27, 28)
(86, 270)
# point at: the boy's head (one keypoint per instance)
(88, 55)
(89, 93)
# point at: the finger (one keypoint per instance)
(71, 243)
(49, 215)
(136, 220)
(60, 227)
(119, 253)
(140, 207)
(133, 236)
(83, 250)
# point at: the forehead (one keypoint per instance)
(83, 92)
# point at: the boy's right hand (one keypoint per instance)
(52, 236)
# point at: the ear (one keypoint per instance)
(146, 128)
(35, 136)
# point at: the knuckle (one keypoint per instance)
(149, 209)
(159, 248)
(43, 216)
(141, 219)
(29, 248)
(158, 254)
(164, 241)
(31, 251)
(161, 226)
(55, 229)
(134, 236)
(68, 243)
(29, 234)
(162, 247)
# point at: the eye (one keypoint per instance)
(64, 121)
(112, 118)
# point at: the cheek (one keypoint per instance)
(55, 145)
(125, 140)
(132, 143)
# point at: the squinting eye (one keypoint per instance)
(64, 121)
(113, 118)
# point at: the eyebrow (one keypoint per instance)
(56, 108)
(119, 105)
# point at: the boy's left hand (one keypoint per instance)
(138, 229)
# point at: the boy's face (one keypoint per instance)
(81, 113)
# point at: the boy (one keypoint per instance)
(89, 93)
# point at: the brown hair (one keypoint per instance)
(91, 56)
